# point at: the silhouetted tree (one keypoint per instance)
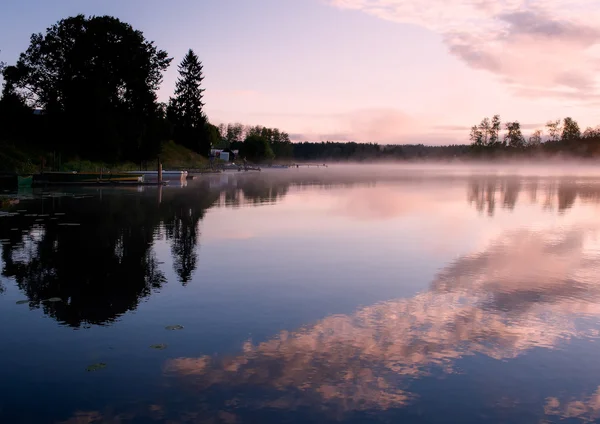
(570, 130)
(185, 108)
(485, 127)
(235, 133)
(476, 136)
(96, 80)
(15, 115)
(535, 139)
(514, 138)
(495, 130)
(591, 133)
(554, 130)
(256, 148)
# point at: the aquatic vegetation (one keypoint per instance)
(96, 367)
(160, 346)
(174, 327)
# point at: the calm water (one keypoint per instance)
(383, 295)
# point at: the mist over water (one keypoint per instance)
(353, 293)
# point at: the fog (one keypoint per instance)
(438, 173)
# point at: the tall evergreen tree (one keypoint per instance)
(185, 108)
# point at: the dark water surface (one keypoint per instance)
(318, 295)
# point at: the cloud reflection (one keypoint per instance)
(525, 290)
(586, 409)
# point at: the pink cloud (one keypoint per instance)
(382, 125)
(545, 48)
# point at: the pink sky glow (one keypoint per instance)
(387, 71)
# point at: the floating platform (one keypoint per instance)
(90, 178)
(150, 176)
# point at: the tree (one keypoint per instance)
(570, 131)
(96, 79)
(281, 144)
(591, 133)
(495, 130)
(254, 130)
(535, 139)
(485, 127)
(210, 135)
(554, 130)
(514, 138)
(235, 133)
(185, 108)
(15, 115)
(476, 136)
(256, 148)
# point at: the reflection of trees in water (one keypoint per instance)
(560, 194)
(181, 216)
(100, 268)
(104, 266)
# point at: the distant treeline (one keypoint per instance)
(351, 151)
(561, 136)
(489, 139)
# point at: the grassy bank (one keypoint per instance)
(23, 159)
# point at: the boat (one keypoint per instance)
(150, 176)
(87, 178)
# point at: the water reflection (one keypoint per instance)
(586, 409)
(94, 249)
(529, 289)
(104, 266)
(524, 291)
(556, 194)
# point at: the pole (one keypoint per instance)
(160, 176)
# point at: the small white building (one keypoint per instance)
(220, 154)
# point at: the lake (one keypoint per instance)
(359, 294)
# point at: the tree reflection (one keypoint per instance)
(105, 265)
(558, 194)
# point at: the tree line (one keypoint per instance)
(255, 142)
(88, 86)
(560, 136)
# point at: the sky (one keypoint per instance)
(386, 71)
